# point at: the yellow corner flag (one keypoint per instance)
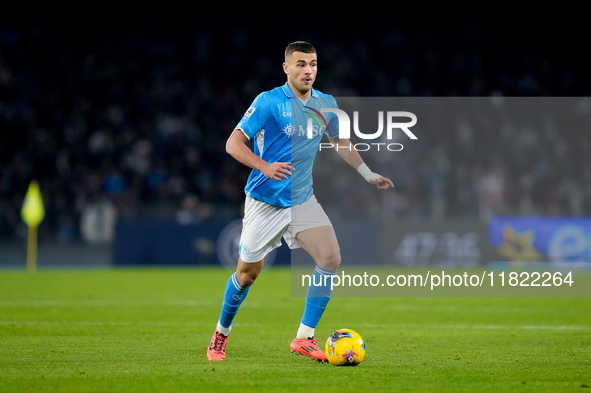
(32, 213)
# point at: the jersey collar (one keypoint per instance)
(289, 93)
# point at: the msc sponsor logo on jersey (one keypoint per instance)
(290, 130)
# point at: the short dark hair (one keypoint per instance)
(299, 46)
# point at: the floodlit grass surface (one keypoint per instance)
(147, 330)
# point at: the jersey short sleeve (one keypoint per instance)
(255, 117)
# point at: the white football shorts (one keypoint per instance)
(264, 225)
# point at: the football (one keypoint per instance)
(345, 347)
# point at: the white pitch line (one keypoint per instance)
(477, 327)
(464, 308)
(367, 326)
(101, 303)
(100, 323)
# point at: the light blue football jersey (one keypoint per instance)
(279, 123)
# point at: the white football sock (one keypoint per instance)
(224, 330)
(305, 332)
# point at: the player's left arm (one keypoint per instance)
(348, 153)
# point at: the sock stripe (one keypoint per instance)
(325, 272)
(234, 295)
(236, 283)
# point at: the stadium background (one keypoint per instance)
(129, 123)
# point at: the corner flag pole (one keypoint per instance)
(32, 213)
(32, 248)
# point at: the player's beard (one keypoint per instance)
(304, 91)
(303, 88)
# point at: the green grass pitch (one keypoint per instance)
(147, 330)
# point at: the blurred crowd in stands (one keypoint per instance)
(132, 122)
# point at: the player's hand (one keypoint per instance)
(278, 170)
(384, 183)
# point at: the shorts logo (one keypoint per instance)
(250, 111)
(245, 250)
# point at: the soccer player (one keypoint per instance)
(279, 195)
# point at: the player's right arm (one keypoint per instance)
(237, 148)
